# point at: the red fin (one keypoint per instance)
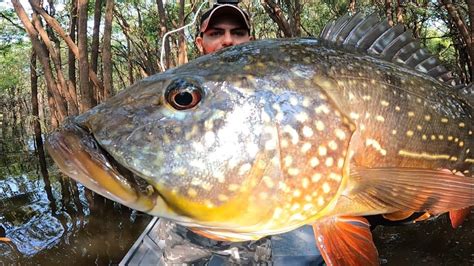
(346, 241)
(209, 235)
(397, 216)
(457, 216)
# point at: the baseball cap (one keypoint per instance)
(221, 9)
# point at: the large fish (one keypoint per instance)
(263, 138)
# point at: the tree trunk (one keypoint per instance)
(107, 49)
(87, 99)
(71, 58)
(182, 49)
(62, 85)
(352, 6)
(37, 130)
(59, 103)
(131, 78)
(163, 31)
(276, 14)
(463, 30)
(400, 12)
(388, 11)
(470, 6)
(98, 95)
(96, 35)
(53, 23)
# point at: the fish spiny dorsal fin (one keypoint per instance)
(377, 38)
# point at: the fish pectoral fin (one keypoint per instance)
(345, 241)
(5, 239)
(457, 217)
(410, 189)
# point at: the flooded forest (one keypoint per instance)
(61, 58)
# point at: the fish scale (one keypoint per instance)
(262, 138)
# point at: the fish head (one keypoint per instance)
(190, 146)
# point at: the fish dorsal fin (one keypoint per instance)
(394, 44)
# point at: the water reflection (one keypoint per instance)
(70, 223)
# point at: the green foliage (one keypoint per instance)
(14, 66)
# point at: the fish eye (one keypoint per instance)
(182, 95)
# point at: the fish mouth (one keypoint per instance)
(79, 155)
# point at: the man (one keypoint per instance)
(222, 26)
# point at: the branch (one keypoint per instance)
(12, 22)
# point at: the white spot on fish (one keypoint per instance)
(322, 150)
(277, 213)
(319, 125)
(302, 117)
(287, 161)
(307, 132)
(296, 193)
(244, 168)
(322, 109)
(222, 197)
(380, 118)
(192, 192)
(268, 181)
(306, 147)
(340, 163)
(295, 207)
(354, 115)
(316, 177)
(326, 187)
(293, 171)
(314, 162)
(340, 134)
(306, 102)
(329, 161)
(297, 217)
(219, 176)
(332, 145)
(293, 101)
(305, 183)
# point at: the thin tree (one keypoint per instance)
(107, 49)
(38, 133)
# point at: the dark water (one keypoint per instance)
(427, 243)
(74, 227)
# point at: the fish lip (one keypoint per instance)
(79, 155)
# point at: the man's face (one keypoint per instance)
(223, 32)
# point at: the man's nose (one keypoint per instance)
(227, 40)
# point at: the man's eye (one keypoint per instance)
(215, 33)
(240, 33)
